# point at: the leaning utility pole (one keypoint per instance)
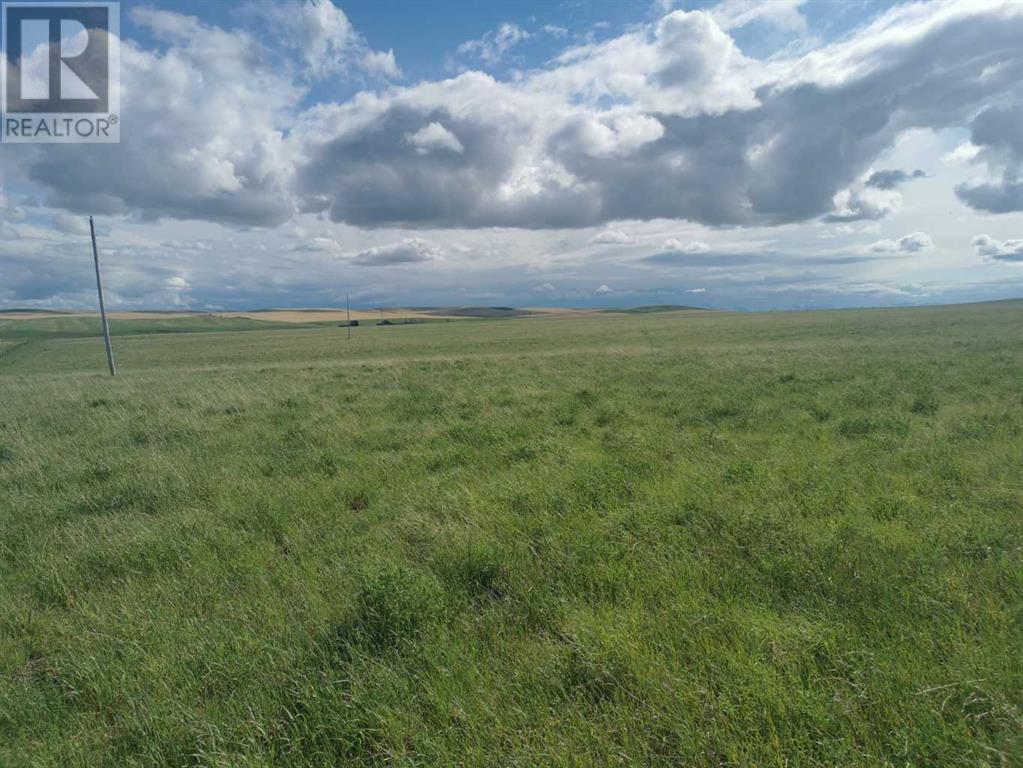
(348, 309)
(102, 309)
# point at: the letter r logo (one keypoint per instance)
(57, 58)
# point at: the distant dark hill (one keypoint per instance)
(480, 312)
(652, 308)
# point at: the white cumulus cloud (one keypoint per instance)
(914, 242)
(432, 137)
(612, 237)
(674, 245)
(492, 47)
(408, 251)
(998, 250)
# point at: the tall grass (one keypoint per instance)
(788, 539)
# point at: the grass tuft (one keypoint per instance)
(475, 570)
(393, 604)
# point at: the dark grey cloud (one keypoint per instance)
(374, 175)
(779, 162)
(998, 131)
(1003, 196)
(711, 186)
(1000, 128)
(83, 183)
(824, 138)
(892, 178)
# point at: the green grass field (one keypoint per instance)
(79, 326)
(659, 539)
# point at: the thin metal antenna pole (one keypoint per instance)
(102, 308)
(348, 309)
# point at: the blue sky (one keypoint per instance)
(757, 155)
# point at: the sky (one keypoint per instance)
(738, 154)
